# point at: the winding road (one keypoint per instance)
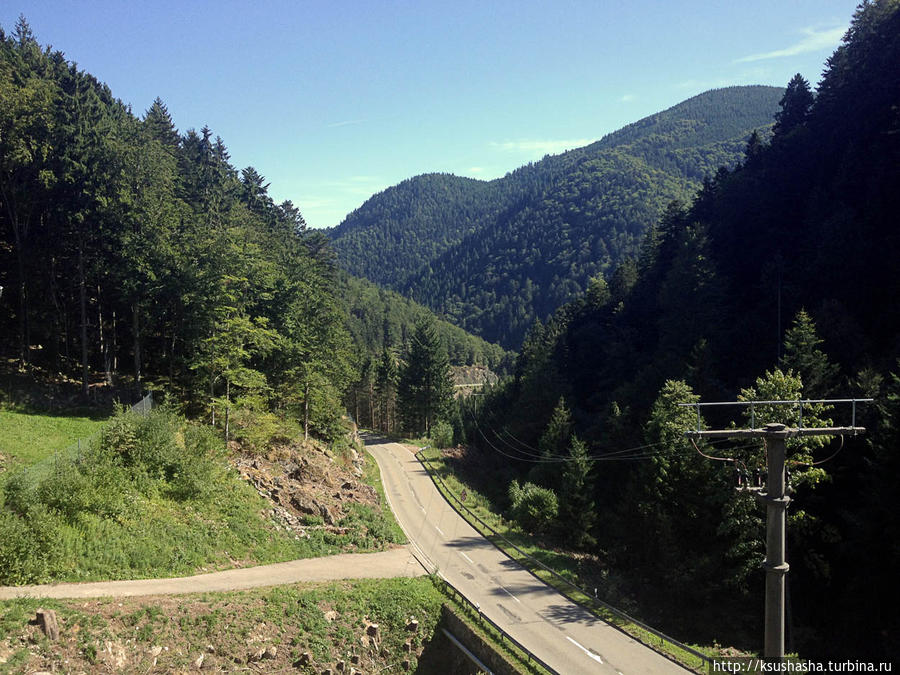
(561, 633)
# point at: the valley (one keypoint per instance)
(462, 429)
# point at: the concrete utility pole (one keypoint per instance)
(776, 500)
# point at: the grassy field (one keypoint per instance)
(561, 562)
(28, 438)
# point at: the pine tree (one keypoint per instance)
(577, 509)
(386, 377)
(426, 390)
(553, 444)
(802, 354)
(795, 105)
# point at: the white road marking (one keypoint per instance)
(585, 650)
(439, 530)
(466, 557)
(517, 600)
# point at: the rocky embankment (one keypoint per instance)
(308, 486)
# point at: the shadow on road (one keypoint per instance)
(471, 542)
(571, 613)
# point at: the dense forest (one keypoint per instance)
(493, 256)
(133, 256)
(778, 281)
(378, 318)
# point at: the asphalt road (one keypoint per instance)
(558, 631)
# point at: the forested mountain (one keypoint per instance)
(133, 251)
(380, 319)
(493, 256)
(418, 219)
(779, 281)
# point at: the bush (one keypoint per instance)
(532, 506)
(442, 434)
(256, 429)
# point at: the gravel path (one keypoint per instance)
(397, 562)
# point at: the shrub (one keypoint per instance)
(532, 506)
(442, 434)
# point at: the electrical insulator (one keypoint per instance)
(738, 478)
(757, 477)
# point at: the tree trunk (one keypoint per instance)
(115, 344)
(306, 411)
(104, 340)
(172, 355)
(82, 298)
(24, 337)
(59, 316)
(227, 407)
(136, 321)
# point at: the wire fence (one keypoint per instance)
(594, 603)
(71, 453)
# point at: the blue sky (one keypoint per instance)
(334, 101)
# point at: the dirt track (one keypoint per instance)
(398, 562)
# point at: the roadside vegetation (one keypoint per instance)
(154, 496)
(26, 438)
(573, 571)
(269, 630)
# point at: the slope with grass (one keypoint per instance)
(26, 438)
(154, 496)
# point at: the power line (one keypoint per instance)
(775, 495)
(628, 454)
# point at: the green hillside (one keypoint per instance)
(493, 256)
(778, 282)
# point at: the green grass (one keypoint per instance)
(29, 438)
(226, 626)
(155, 497)
(563, 564)
(293, 618)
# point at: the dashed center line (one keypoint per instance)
(466, 557)
(516, 599)
(585, 650)
(439, 530)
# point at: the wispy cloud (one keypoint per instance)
(345, 123)
(544, 146)
(813, 40)
(627, 98)
(475, 169)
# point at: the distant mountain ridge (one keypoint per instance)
(494, 256)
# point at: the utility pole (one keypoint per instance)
(776, 499)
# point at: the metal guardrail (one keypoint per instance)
(503, 634)
(617, 612)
